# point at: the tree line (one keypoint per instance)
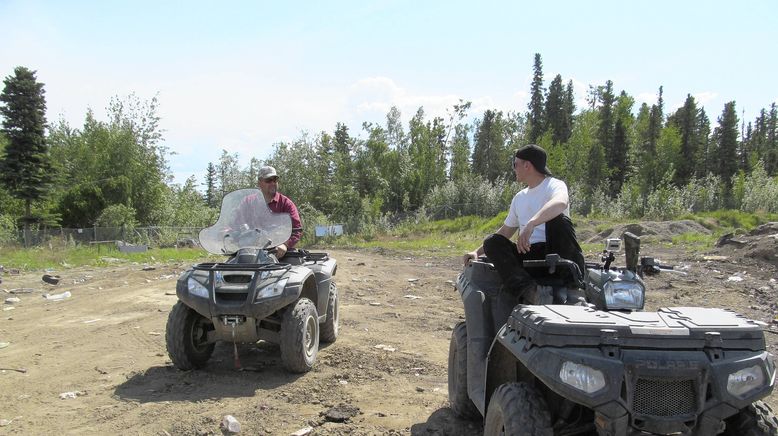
(618, 159)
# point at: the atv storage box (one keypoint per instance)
(666, 371)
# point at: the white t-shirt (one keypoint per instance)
(528, 202)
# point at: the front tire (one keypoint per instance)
(458, 399)
(517, 409)
(758, 419)
(186, 338)
(300, 336)
(330, 328)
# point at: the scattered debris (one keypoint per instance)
(412, 297)
(4, 344)
(12, 300)
(5, 422)
(413, 280)
(420, 389)
(729, 239)
(375, 303)
(57, 297)
(21, 291)
(50, 279)
(361, 264)
(71, 395)
(149, 268)
(22, 370)
(735, 279)
(155, 333)
(6, 309)
(91, 321)
(714, 257)
(170, 293)
(385, 348)
(340, 413)
(230, 424)
(303, 431)
(14, 272)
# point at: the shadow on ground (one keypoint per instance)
(444, 422)
(261, 369)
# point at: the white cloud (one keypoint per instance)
(374, 96)
(705, 96)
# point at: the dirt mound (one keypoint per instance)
(760, 244)
(658, 230)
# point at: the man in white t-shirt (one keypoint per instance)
(541, 214)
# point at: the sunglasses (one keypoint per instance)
(271, 179)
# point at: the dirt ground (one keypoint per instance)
(386, 374)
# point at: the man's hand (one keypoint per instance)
(522, 244)
(281, 251)
(469, 256)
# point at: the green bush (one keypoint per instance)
(470, 197)
(760, 191)
(8, 232)
(117, 215)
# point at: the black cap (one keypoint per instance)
(536, 156)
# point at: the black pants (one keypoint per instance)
(560, 239)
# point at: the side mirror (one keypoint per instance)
(632, 251)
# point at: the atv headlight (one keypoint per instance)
(744, 381)
(196, 288)
(623, 295)
(582, 377)
(271, 290)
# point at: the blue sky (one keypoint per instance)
(242, 76)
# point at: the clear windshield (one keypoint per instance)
(246, 221)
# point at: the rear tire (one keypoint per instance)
(329, 330)
(186, 337)
(458, 399)
(517, 409)
(758, 419)
(300, 336)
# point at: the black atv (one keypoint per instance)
(252, 296)
(592, 362)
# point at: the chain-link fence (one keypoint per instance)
(151, 236)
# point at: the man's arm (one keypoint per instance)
(287, 205)
(504, 230)
(556, 205)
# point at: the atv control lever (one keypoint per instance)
(552, 261)
(650, 266)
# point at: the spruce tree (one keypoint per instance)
(704, 158)
(210, 185)
(536, 113)
(685, 120)
(771, 141)
(619, 158)
(727, 144)
(569, 111)
(26, 168)
(555, 111)
(488, 152)
(605, 130)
